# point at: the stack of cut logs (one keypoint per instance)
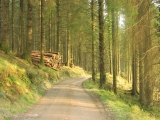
(51, 59)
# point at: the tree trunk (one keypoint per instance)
(101, 44)
(134, 60)
(134, 79)
(25, 27)
(4, 42)
(29, 33)
(58, 25)
(13, 42)
(141, 73)
(146, 81)
(68, 35)
(117, 43)
(50, 33)
(21, 21)
(0, 20)
(93, 39)
(42, 32)
(110, 57)
(148, 63)
(114, 56)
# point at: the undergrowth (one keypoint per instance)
(22, 84)
(123, 105)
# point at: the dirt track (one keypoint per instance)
(66, 101)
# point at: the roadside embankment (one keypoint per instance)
(22, 84)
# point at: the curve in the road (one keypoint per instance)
(66, 101)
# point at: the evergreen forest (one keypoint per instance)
(118, 38)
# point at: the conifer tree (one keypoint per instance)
(101, 44)
(4, 42)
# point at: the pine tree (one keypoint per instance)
(4, 42)
(101, 44)
(29, 33)
(93, 7)
(42, 31)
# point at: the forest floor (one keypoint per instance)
(67, 100)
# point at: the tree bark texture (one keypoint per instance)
(29, 33)
(101, 44)
(146, 81)
(42, 32)
(114, 55)
(93, 39)
(4, 42)
(58, 24)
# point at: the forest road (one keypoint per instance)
(66, 100)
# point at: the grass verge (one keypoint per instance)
(119, 106)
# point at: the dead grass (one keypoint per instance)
(121, 82)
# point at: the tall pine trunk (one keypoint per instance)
(93, 39)
(134, 61)
(68, 41)
(13, 42)
(145, 65)
(101, 44)
(42, 31)
(4, 42)
(114, 55)
(21, 31)
(148, 62)
(29, 33)
(58, 24)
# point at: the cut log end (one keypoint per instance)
(51, 59)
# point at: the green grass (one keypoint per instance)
(123, 107)
(22, 84)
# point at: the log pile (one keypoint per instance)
(51, 59)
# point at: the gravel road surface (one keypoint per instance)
(66, 100)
